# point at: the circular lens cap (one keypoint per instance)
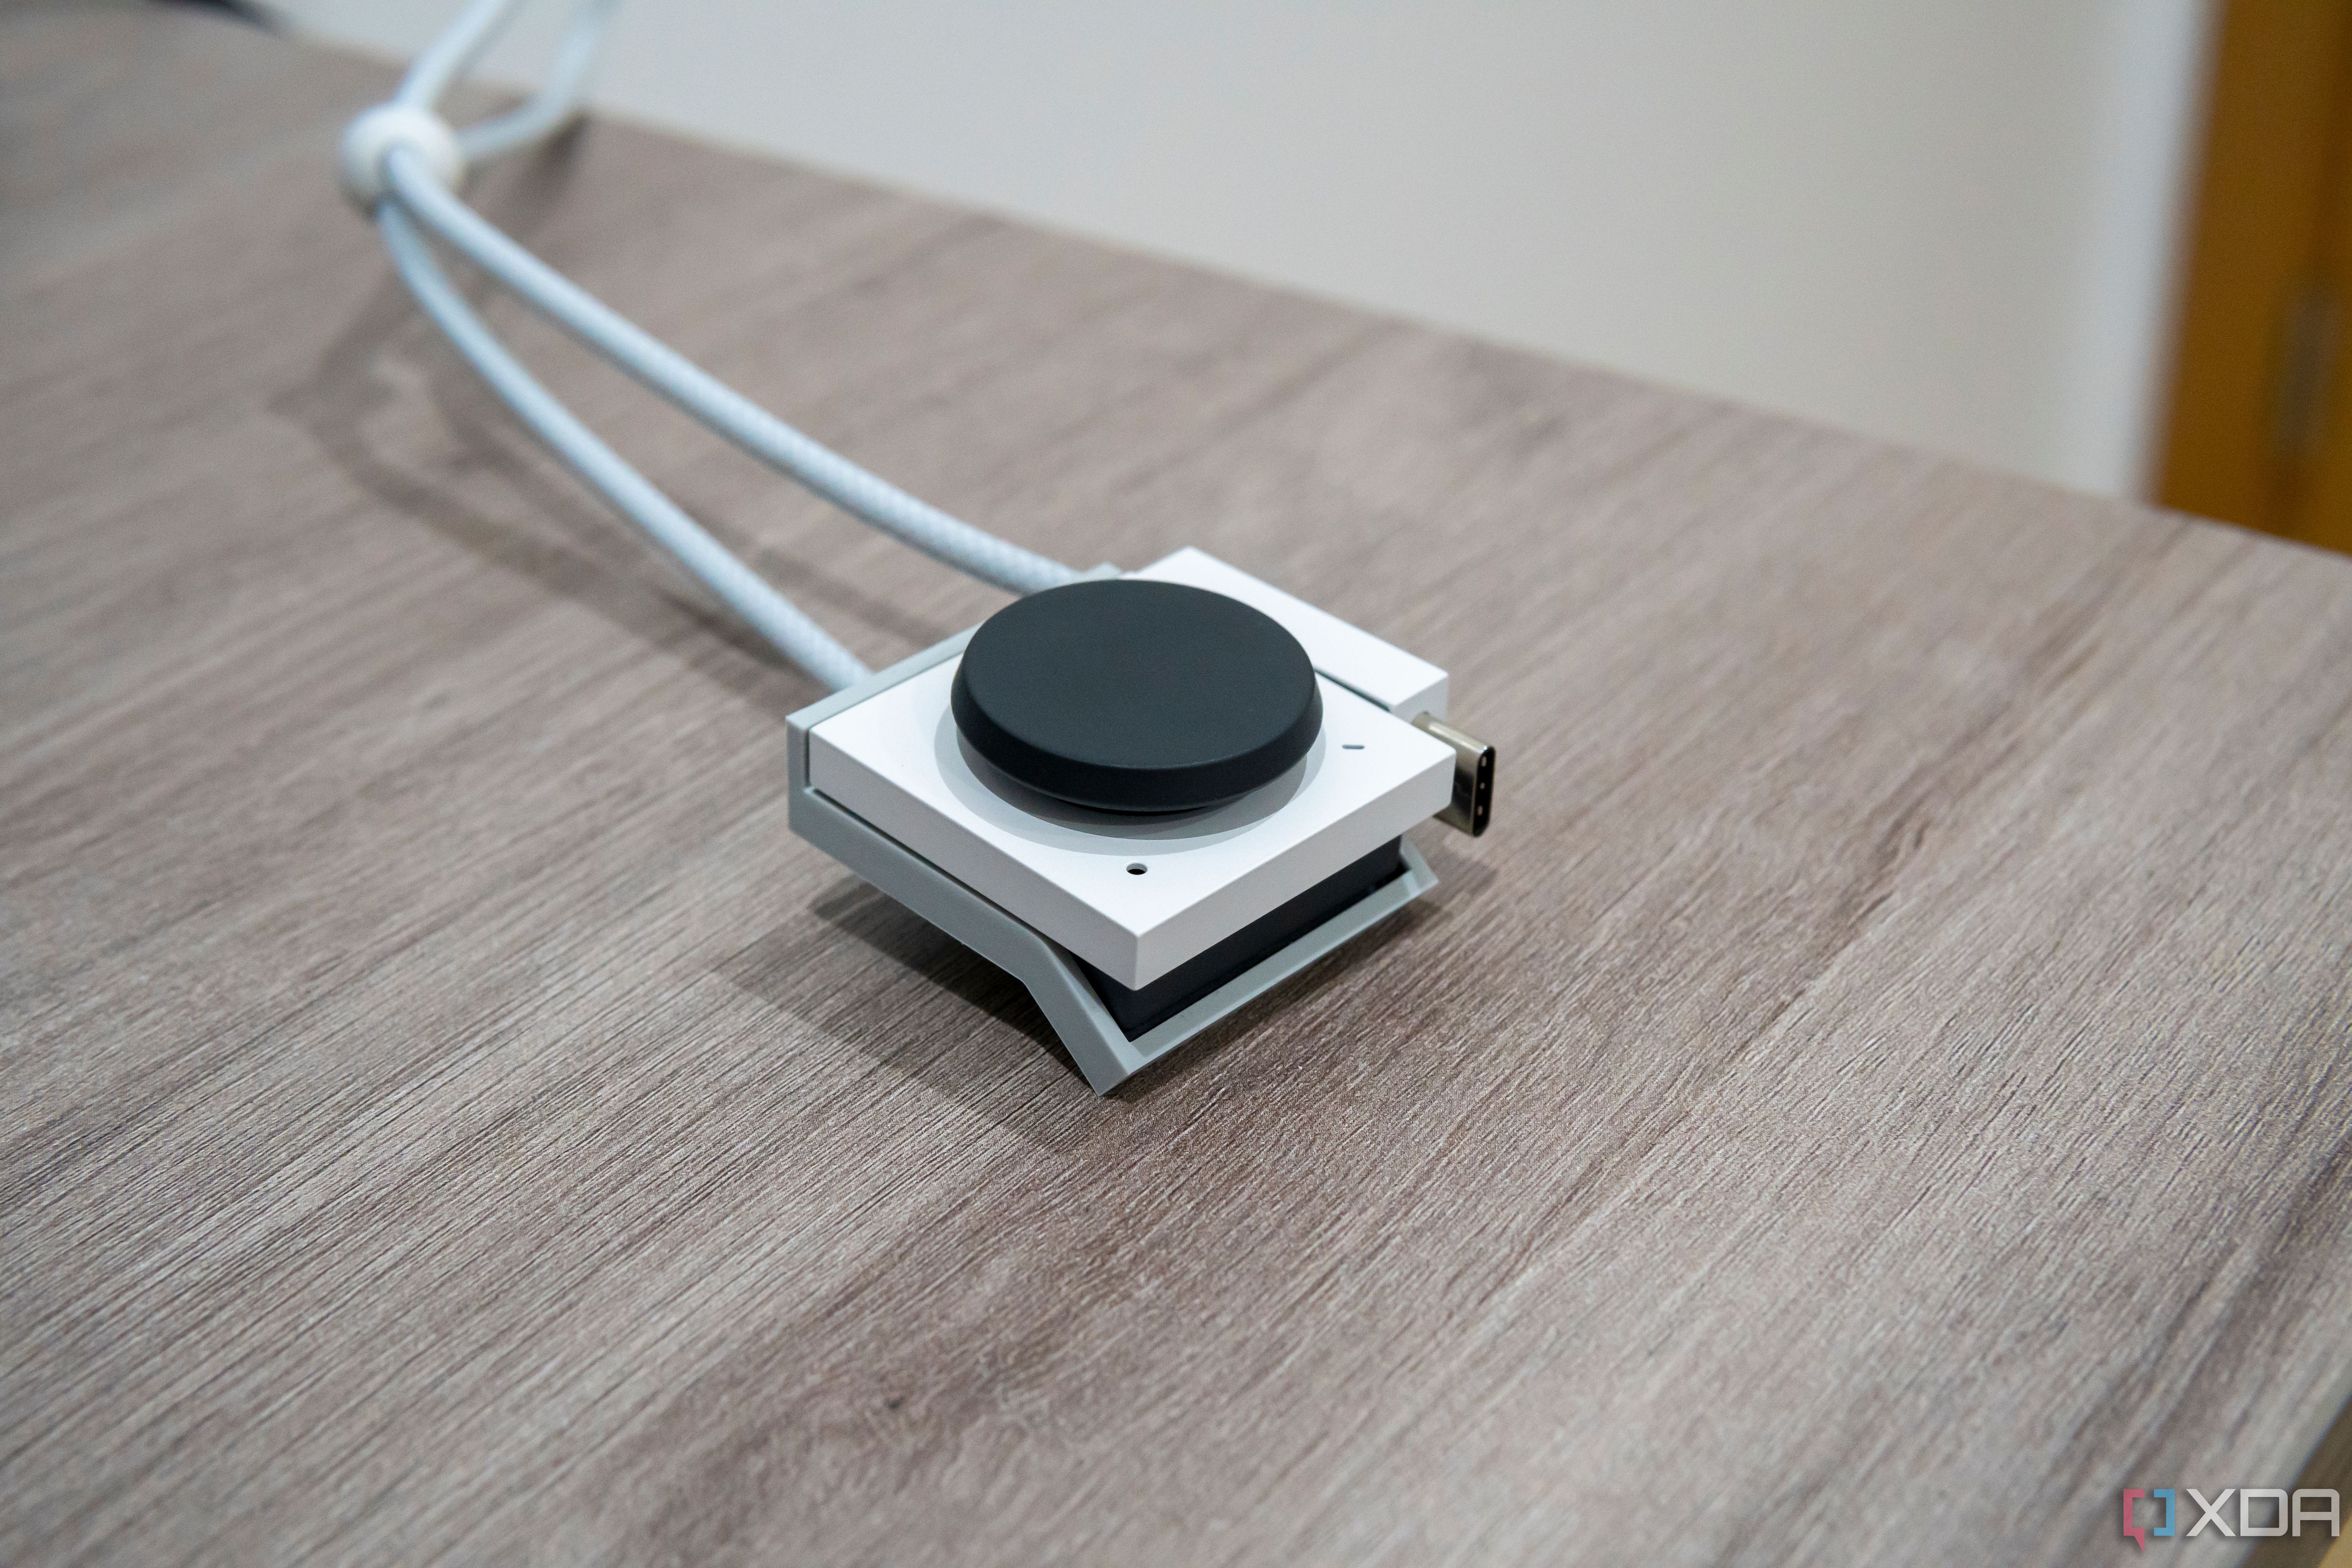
(1127, 695)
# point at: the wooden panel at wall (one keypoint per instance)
(2258, 380)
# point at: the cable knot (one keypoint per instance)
(375, 134)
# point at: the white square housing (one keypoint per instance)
(898, 761)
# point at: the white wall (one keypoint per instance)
(1947, 221)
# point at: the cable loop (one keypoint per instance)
(417, 192)
(368, 138)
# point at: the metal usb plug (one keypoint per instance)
(1474, 776)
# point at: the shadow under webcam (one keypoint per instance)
(871, 1014)
(973, 1066)
(897, 934)
(895, 1014)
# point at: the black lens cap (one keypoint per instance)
(1128, 695)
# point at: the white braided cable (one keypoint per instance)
(767, 612)
(402, 163)
(725, 411)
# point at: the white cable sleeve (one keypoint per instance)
(557, 101)
(769, 613)
(452, 55)
(703, 395)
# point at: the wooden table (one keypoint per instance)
(1884, 1086)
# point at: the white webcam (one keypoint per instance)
(1148, 797)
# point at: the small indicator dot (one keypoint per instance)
(1135, 870)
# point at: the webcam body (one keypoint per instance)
(1134, 931)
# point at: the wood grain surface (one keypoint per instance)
(1884, 1084)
